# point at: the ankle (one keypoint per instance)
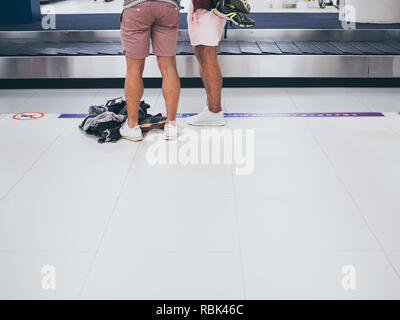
(172, 122)
(215, 109)
(132, 123)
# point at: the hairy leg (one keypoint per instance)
(211, 75)
(200, 61)
(133, 89)
(171, 86)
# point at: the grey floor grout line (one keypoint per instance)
(238, 234)
(385, 118)
(95, 254)
(238, 227)
(353, 94)
(35, 162)
(397, 133)
(291, 98)
(92, 100)
(353, 201)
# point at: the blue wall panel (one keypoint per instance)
(19, 11)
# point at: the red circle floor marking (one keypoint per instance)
(28, 116)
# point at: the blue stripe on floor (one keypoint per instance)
(304, 114)
(72, 116)
(264, 115)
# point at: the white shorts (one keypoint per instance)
(205, 28)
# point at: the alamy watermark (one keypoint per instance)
(349, 277)
(49, 18)
(348, 17)
(48, 277)
(206, 146)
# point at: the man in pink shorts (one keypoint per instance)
(142, 21)
(205, 32)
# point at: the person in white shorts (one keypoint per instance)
(205, 32)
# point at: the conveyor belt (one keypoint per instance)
(328, 48)
(366, 48)
(226, 48)
(268, 47)
(288, 47)
(230, 47)
(385, 47)
(245, 53)
(346, 48)
(394, 45)
(308, 48)
(184, 47)
(247, 47)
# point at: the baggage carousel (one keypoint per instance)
(306, 51)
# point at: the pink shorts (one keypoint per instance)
(205, 28)
(151, 20)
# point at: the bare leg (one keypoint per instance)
(199, 60)
(171, 86)
(133, 89)
(211, 75)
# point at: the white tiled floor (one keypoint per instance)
(319, 276)
(164, 275)
(173, 224)
(340, 99)
(21, 274)
(324, 194)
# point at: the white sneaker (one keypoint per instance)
(172, 132)
(133, 134)
(207, 118)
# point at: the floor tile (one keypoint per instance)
(62, 223)
(366, 157)
(258, 100)
(288, 165)
(12, 100)
(394, 257)
(60, 101)
(383, 216)
(23, 143)
(326, 100)
(273, 125)
(382, 99)
(164, 161)
(164, 224)
(91, 169)
(302, 224)
(320, 276)
(31, 275)
(392, 120)
(165, 276)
